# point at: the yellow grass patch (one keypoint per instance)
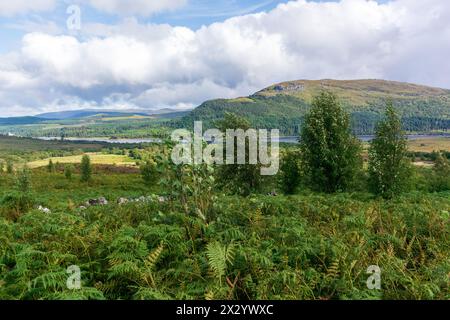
(429, 144)
(96, 158)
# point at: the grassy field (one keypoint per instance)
(430, 144)
(96, 158)
(12, 144)
(57, 192)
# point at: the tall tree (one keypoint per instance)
(86, 169)
(239, 178)
(389, 167)
(330, 154)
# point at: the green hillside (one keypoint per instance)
(283, 105)
(20, 120)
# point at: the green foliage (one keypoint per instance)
(330, 154)
(258, 247)
(191, 186)
(238, 178)
(86, 169)
(68, 171)
(290, 177)
(188, 241)
(149, 173)
(219, 257)
(9, 167)
(389, 169)
(441, 174)
(50, 166)
(23, 180)
(14, 204)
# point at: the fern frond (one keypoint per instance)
(150, 263)
(153, 257)
(333, 270)
(209, 295)
(218, 257)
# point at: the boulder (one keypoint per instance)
(96, 202)
(44, 210)
(122, 201)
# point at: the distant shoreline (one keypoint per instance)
(283, 139)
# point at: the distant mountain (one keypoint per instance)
(21, 120)
(284, 105)
(85, 113)
(79, 114)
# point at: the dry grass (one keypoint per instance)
(429, 144)
(96, 158)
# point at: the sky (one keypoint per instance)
(149, 54)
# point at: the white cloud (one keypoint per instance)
(36, 24)
(14, 7)
(136, 7)
(149, 65)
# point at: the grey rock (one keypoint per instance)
(122, 201)
(44, 210)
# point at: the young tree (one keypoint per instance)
(23, 182)
(86, 169)
(149, 173)
(239, 178)
(68, 171)
(389, 169)
(330, 154)
(290, 171)
(50, 166)
(441, 174)
(9, 167)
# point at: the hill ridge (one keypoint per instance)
(283, 105)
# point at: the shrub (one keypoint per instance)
(13, 204)
(149, 173)
(290, 171)
(9, 167)
(86, 169)
(68, 171)
(441, 174)
(50, 166)
(23, 180)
